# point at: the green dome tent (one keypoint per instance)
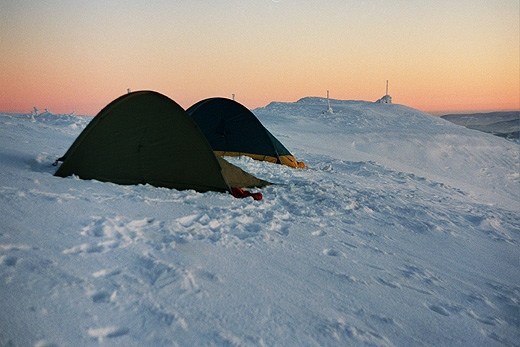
(232, 130)
(145, 137)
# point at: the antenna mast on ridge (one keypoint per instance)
(329, 109)
(387, 99)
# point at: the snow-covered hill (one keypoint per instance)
(403, 231)
(504, 124)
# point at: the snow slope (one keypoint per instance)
(505, 124)
(403, 231)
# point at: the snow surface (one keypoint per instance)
(403, 231)
(505, 124)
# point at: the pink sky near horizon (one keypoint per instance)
(438, 55)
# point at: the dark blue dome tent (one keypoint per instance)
(232, 130)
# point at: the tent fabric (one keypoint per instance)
(145, 137)
(232, 130)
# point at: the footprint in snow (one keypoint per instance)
(331, 252)
(86, 248)
(106, 273)
(421, 275)
(319, 233)
(439, 309)
(389, 283)
(9, 261)
(109, 332)
(445, 309)
(103, 296)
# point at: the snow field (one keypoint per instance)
(401, 232)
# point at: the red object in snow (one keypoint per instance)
(240, 193)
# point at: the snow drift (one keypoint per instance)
(403, 231)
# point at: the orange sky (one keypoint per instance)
(439, 55)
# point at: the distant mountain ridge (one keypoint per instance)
(503, 124)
